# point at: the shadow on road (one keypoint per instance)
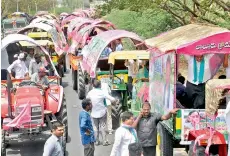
(26, 148)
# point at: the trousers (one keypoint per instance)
(100, 125)
(89, 149)
(149, 151)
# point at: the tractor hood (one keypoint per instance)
(29, 94)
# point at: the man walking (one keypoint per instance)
(53, 146)
(99, 111)
(146, 125)
(86, 128)
(124, 136)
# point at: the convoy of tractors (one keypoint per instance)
(80, 41)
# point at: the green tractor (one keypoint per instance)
(120, 83)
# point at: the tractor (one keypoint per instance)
(28, 110)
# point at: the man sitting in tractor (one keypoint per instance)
(29, 57)
(35, 64)
(40, 77)
(19, 67)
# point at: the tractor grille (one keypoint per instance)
(36, 114)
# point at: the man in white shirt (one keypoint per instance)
(99, 111)
(29, 57)
(119, 46)
(19, 67)
(124, 136)
(199, 72)
(35, 64)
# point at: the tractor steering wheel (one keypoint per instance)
(27, 83)
(30, 83)
(118, 79)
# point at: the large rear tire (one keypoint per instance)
(62, 117)
(164, 142)
(74, 79)
(3, 143)
(116, 111)
(64, 64)
(81, 88)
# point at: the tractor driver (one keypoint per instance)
(40, 77)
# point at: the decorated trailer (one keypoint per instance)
(121, 84)
(166, 51)
(87, 30)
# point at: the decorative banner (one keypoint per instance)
(219, 124)
(218, 43)
(162, 80)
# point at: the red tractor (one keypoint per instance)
(28, 110)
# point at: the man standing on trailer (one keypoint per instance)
(146, 126)
(199, 72)
(99, 111)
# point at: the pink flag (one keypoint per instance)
(23, 117)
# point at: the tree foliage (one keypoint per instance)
(28, 6)
(208, 11)
(147, 24)
(183, 11)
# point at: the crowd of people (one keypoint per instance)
(29, 66)
(130, 132)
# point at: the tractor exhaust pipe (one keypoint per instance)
(9, 86)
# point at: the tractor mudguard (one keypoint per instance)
(4, 103)
(54, 97)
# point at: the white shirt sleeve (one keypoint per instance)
(31, 67)
(11, 66)
(110, 98)
(117, 143)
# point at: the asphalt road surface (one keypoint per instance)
(74, 147)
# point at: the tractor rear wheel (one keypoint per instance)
(64, 64)
(3, 152)
(164, 141)
(81, 84)
(74, 79)
(116, 111)
(62, 117)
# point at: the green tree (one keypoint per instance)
(146, 24)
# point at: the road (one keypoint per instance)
(74, 147)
